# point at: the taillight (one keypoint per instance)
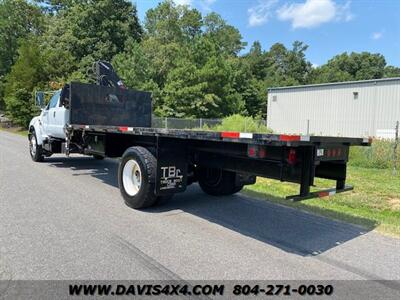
(251, 151)
(292, 157)
(261, 152)
(334, 153)
(256, 151)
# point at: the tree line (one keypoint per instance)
(193, 64)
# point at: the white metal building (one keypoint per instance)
(354, 109)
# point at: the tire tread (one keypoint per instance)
(226, 186)
(39, 157)
(149, 161)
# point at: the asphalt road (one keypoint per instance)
(65, 219)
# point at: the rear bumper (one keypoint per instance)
(320, 194)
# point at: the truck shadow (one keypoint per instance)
(105, 170)
(289, 229)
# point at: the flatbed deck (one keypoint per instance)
(225, 136)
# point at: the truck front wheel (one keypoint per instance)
(35, 150)
(136, 177)
(217, 182)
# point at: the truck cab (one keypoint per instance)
(49, 126)
(53, 118)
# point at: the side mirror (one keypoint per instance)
(39, 99)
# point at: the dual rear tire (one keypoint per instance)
(137, 178)
(218, 182)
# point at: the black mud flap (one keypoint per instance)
(172, 167)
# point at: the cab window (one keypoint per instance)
(54, 100)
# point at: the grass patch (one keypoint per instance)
(241, 124)
(378, 156)
(16, 130)
(374, 203)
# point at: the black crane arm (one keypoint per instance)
(106, 75)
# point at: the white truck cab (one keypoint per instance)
(52, 120)
(50, 124)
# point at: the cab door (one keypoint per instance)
(48, 118)
(60, 119)
(53, 112)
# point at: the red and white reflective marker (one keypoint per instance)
(294, 138)
(325, 194)
(236, 135)
(124, 129)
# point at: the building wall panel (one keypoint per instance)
(348, 109)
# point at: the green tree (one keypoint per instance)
(391, 71)
(135, 68)
(206, 91)
(182, 62)
(168, 28)
(85, 31)
(354, 66)
(257, 61)
(172, 23)
(287, 67)
(26, 74)
(226, 37)
(133, 65)
(279, 66)
(18, 19)
(202, 84)
(54, 6)
(298, 67)
(248, 85)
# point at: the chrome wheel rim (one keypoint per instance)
(32, 145)
(132, 177)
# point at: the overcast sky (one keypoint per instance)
(329, 27)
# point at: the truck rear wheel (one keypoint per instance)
(35, 150)
(137, 176)
(217, 182)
